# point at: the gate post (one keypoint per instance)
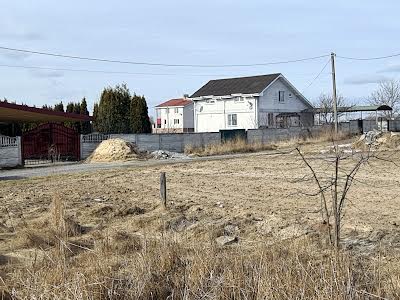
(80, 146)
(20, 159)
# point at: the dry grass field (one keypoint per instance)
(105, 235)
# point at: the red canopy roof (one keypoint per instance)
(175, 102)
(11, 112)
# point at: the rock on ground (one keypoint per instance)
(226, 240)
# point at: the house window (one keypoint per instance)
(176, 121)
(281, 96)
(165, 122)
(176, 110)
(232, 119)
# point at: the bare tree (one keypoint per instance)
(387, 93)
(325, 103)
(333, 185)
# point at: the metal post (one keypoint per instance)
(334, 92)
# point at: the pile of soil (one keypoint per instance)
(114, 150)
(378, 140)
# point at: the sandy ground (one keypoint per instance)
(264, 197)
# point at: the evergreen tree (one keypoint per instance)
(85, 125)
(95, 116)
(70, 107)
(113, 110)
(77, 110)
(59, 107)
(140, 120)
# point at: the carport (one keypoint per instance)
(355, 112)
(49, 138)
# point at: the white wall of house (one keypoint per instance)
(271, 104)
(225, 113)
(175, 118)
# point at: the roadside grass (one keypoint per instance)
(115, 264)
(242, 146)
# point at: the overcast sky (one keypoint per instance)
(192, 32)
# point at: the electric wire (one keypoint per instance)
(368, 58)
(103, 71)
(123, 72)
(158, 64)
(316, 77)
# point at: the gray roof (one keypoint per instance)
(240, 85)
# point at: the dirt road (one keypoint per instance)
(68, 168)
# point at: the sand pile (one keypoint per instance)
(113, 150)
(389, 140)
(378, 140)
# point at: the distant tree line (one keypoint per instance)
(120, 112)
(82, 127)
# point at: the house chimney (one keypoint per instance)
(185, 96)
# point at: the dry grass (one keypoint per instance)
(241, 146)
(112, 264)
(170, 269)
(162, 254)
(229, 147)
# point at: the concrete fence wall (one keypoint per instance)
(10, 151)
(394, 125)
(177, 142)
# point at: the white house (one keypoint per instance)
(250, 103)
(175, 115)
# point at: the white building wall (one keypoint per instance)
(212, 115)
(269, 101)
(168, 115)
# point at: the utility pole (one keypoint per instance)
(335, 112)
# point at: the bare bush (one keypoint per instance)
(334, 179)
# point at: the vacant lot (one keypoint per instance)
(261, 200)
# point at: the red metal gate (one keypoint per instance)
(49, 141)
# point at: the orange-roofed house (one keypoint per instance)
(174, 116)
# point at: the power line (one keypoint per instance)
(158, 64)
(101, 71)
(119, 72)
(316, 77)
(368, 58)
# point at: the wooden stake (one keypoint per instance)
(163, 189)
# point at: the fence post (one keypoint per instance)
(81, 147)
(20, 159)
(163, 189)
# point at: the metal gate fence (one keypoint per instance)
(51, 141)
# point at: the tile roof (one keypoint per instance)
(175, 102)
(240, 85)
